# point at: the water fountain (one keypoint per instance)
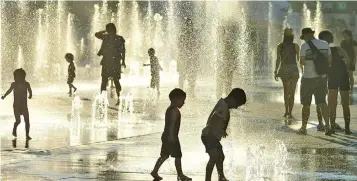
(95, 27)
(255, 169)
(20, 58)
(100, 109)
(281, 155)
(318, 18)
(40, 48)
(149, 26)
(158, 36)
(306, 16)
(271, 45)
(171, 33)
(75, 130)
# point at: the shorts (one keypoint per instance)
(70, 79)
(155, 81)
(172, 149)
(289, 72)
(21, 110)
(339, 81)
(313, 86)
(211, 142)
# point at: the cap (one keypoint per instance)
(306, 31)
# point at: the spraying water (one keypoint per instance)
(20, 58)
(69, 34)
(75, 130)
(318, 18)
(136, 31)
(120, 15)
(306, 16)
(280, 167)
(1, 45)
(100, 109)
(40, 48)
(271, 45)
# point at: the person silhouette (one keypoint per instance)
(20, 88)
(113, 52)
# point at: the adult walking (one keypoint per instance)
(113, 52)
(350, 46)
(313, 80)
(338, 79)
(286, 63)
(188, 64)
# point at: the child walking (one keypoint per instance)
(216, 129)
(155, 70)
(170, 141)
(20, 87)
(71, 72)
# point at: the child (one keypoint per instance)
(170, 141)
(71, 73)
(20, 87)
(216, 129)
(155, 68)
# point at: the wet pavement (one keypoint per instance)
(260, 145)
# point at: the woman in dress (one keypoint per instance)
(287, 69)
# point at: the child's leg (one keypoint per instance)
(70, 88)
(213, 157)
(219, 164)
(27, 123)
(178, 166)
(17, 122)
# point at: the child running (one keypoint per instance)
(216, 129)
(170, 140)
(155, 70)
(71, 73)
(20, 87)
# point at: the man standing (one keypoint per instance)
(113, 52)
(188, 64)
(311, 82)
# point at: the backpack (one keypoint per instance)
(320, 61)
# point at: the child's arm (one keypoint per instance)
(174, 117)
(8, 91)
(100, 34)
(29, 90)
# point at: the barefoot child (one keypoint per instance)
(216, 129)
(71, 73)
(155, 70)
(170, 141)
(20, 87)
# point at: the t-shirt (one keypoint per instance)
(155, 66)
(348, 46)
(309, 67)
(218, 121)
(172, 114)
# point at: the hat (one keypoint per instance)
(306, 31)
(288, 32)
